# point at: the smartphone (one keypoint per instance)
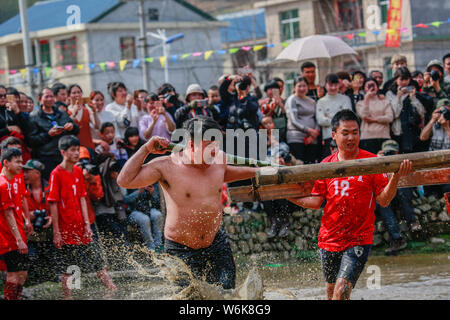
(58, 127)
(136, 94)
(202, 103)
(86, 100)
(357, 77)
(10, 98)
(276, 92)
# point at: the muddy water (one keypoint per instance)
(419, 276)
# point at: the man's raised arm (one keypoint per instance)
(134, 175)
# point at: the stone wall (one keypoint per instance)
(247, 230)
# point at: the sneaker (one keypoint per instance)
(396, 245)
(415, 226)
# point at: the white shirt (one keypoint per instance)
(122, 115)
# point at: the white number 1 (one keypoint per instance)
(344, 187)
(74, 189)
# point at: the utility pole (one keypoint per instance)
(26, 44)
(143, 39)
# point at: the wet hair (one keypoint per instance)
(206, 123)
(74, 86)
(331, 78)
(68, 141)
(10, 141)
(106, 125)
(272, 84)
(131, 132)
(307, 64)
(416, 73)
(344, 115)
(300, 79)
(112, 88)
(402, 73)
(9, 154)
(58, 86)
(164, 87)
(14, 91)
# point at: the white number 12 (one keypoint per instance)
(344, 187)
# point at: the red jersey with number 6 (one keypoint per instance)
(11, 193)
(67, 188)
(348, 218)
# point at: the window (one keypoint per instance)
(289, 81)
(128, 48)
(350, 14)
(67, 51)
(389, 74)
(44, 51)
(290, 25)
(153, 14)
(384, 6)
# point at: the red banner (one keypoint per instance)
(394, 24)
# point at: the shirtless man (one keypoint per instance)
(192, 191)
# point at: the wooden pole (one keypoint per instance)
(298, 190)
(367, 166)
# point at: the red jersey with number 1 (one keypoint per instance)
(67, 189)
(11, 193)
(348, 218)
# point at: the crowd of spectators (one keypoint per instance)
(408, 113)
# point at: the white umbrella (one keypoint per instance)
(315, 47)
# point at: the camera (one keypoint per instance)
(446, 113)
(389, 153)
(121, 145)
(435, 75)
(285, 155)
(171, 98)
(244, 84)
(40, 221)
(90, 168)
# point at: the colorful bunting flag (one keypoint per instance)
(68, 67)
(422, 25)
(122, 64)
(23, 72)
(175, 58)
(258, 47)
(47, 72)
(285, 44)
(233, 50)
(36, 70)
(162, 61)
(208, 54)
(350, 36)
(92, 65)
(246, 48)
(185, 55)
(102, 66)
(14, 71)
(150, 60)
(221, 51)
(111, 64)
(2, 71)
(80, 66)
(197, 54)
(436, 24)
(136, 63)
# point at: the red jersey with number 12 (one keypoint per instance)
(67, 188)
(348, 218)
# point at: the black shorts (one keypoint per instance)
(347, 264)
(87, 257)
(215, 264)
(15, 261)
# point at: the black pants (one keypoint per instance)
(371, 145)
(43, 266)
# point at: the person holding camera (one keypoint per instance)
(273, 106)
(434, 81)
(169, 97)
(197, 104)
(47, 126)
(40, 244)
(157, 122)
(409, 112)
(376, 115)
(116, 148)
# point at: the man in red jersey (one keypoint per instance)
(345, 235)
(72, 232)
(13, 247)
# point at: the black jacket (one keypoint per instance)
(12, 119)
(42, 144)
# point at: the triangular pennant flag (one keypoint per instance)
(350, 36)
(2, 71)
(246, 48)
(68, 67)
(150, 60)
(221, 51)
(175, 58)
(13, 71)
(102, 65)
(92, 65)
(197, 54)
(23, 72)
(258, 47)
(270, 45)
(404, 30)
(80, 66)
(285, 44)
(122, 64)
(47, 71)
(448, 20)
(185, 55)
(421, 25)
(436, 24)
(208, 54)
(60, 68)
(234, 50)
(362, 34)
(376, 32)
(136, 63)
(36, 70)
(111, 64)
(162, 61)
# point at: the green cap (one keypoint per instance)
(390, 145)
(443, 102)
(35, 165)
